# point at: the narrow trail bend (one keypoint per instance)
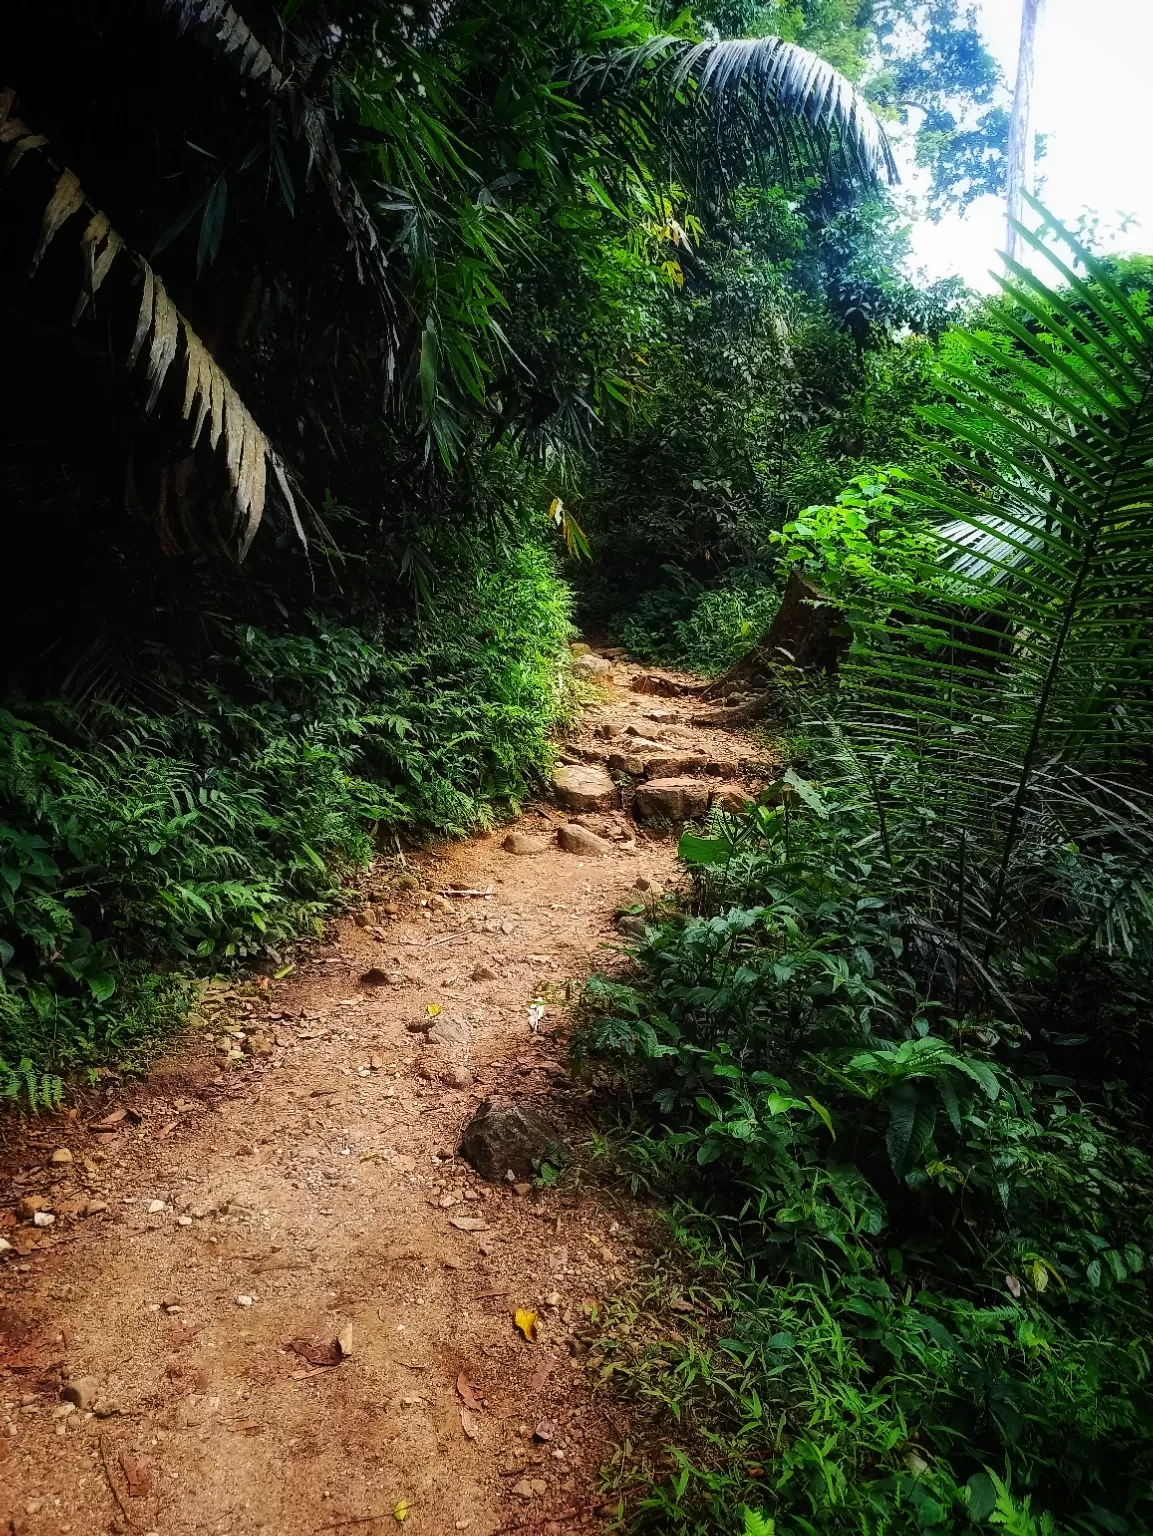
(205, 1219)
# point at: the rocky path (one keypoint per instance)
(262, 1291)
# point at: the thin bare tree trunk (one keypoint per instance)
(1019, 171)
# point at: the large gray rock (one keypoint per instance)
(597, 668)
(445, 1030)
(584, 787)
(732, 797)
(524, 845)
(630, 763)
(671, 799)
(504, 1137)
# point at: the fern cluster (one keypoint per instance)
(208, 835)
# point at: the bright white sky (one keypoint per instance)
(1092, 95)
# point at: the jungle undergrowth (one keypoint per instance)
(907, 1281)
(143, 849)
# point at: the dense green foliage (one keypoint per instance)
(784, 371)
(917, 1244)
(445, 282)
(438, 252)
(217, 831)
(892, 1069)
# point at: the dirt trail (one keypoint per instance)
(296, 1189)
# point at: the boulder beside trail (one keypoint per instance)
(523, 845)
(589, 665)
(574, 839)
(732, 797)
(505, 1137)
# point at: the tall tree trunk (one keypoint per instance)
(1019, 177)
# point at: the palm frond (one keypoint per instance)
(162, 334)
(1007, 695)
(220, 27)
(788, 90)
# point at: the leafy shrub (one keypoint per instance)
(704, 630)
(919, 1251)
(220, 831)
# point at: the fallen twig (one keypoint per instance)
(112, 1485)
(340, 1525)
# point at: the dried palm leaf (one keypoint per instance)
(162, 345)
(144, 319)
(14, 132)
(227, 33)
(66, 200)
(224, 32)
(99, 244)
(160, 330)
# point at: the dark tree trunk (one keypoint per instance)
(808, 633)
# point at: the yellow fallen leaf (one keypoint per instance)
(526, 1322)
(433, 1010)
(400, 1510)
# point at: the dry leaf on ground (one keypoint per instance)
(110, 1120)
(468, 1393)
(137, 1476)
(526, 1322)
(469, 1424)
(543, 1371)
(317, 1352)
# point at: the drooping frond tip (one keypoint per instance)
(228, 34)
(791, 81)
(789, 86)
(161, 333)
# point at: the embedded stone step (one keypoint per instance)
(685, 798)
(678, 765)
(584, 787)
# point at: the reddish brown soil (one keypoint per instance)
(306, 1181)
